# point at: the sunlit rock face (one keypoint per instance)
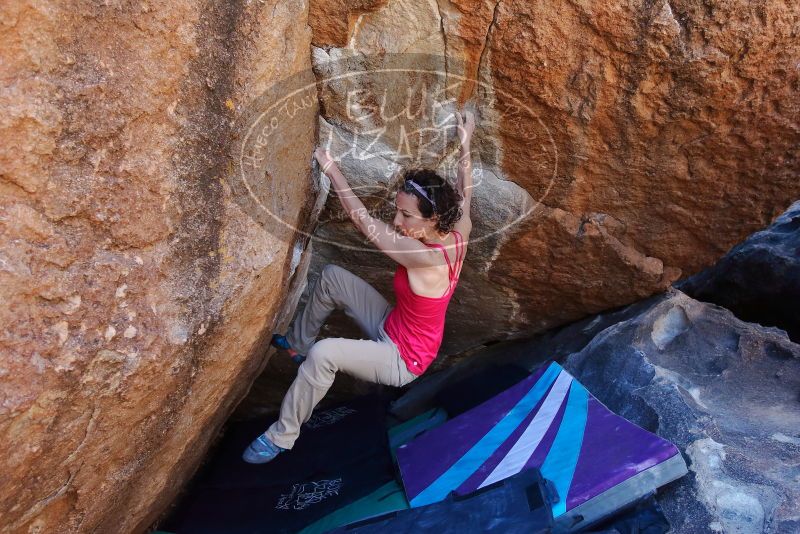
(154, 222)
(620, 146)
(138, 282)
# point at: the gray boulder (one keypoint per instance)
(723, 390)
(759, 279)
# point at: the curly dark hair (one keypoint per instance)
(443, 194)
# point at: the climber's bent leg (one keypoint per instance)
(373, 361)
(338, 288)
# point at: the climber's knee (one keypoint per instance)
(330, 270)
(332, 283)
(321, 354)
(319, 368)
(327, 276)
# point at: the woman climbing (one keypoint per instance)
(428, 241)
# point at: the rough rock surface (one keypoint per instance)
(141, 277)
(641, 139)
(759, 279)
(137, 288)
(724, 391)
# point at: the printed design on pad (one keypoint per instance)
(550, 422)
(329, 417)
(526, 444)
(304, 495)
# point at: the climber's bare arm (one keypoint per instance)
(466, 127)
(407, 251)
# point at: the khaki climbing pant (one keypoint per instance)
(376, 359)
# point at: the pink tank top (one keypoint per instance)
(416, 323)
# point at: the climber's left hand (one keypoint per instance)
(324, 159)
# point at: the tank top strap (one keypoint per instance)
(459, 248)
(459, 253)
(446, 258)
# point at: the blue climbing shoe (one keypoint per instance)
(281, 342)
(261, 451)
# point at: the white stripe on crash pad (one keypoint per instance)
(525, 446)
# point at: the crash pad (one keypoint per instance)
(596, 461)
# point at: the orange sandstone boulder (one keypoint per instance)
(138, 289)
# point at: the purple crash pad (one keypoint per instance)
(548, 421)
